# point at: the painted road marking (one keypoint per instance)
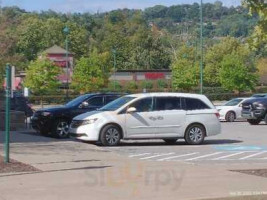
(137, 155)
(179, 156)
(204, 156)
(228, 156)
(255, 154)
(166, 154)
(240, 148)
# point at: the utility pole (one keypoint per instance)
(201, 47)
(66, 31)
(7, 114)
(114, 66)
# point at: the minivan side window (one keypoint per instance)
(167, 103)
(195, 104)
(143, 105)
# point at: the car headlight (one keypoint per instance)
(45, 114)
(88, 121)
(258, 105)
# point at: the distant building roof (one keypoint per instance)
(56, 50)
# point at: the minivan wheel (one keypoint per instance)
(170, 141)
(195, 134)
(110, 135)
(254, 121)
(230, 116)
(60, 129)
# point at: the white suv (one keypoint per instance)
(167, 116)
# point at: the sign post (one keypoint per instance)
(7, 114)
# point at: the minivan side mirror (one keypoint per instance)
(131, 110)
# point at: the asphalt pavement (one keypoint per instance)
(148, 169)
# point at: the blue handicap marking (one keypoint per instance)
(240, 148)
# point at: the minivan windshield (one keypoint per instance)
(114, 105)
(233, 102)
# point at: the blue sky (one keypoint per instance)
(98, 5)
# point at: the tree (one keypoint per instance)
(258, 40)
(42, 76)
(215, 55)
(234, 75)
(88, 75)
(185, 70)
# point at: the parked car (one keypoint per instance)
(255, 110)
(260, 95)
(55, 121)
(231, 110)
(20, 103)
(167, 116)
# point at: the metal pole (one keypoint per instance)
(7, 114)
(114, 67)
(67, 66)
(201, 47)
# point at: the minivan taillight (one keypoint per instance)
(217, 115)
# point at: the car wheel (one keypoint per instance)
(170, 141)
(254, 121)
(110, 135)
(60, 129)
(230, 116)
(195, 134)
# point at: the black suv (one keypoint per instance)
(55, 121)
(255, 110)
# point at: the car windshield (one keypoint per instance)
(233, 102)
(114, 105)
(76, 101)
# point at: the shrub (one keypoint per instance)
(131, 86)
(162, 84)
(147, 84)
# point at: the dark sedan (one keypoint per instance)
(55, 121)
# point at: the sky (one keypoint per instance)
(94, 6)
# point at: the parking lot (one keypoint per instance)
(238, 143)
(148, 169)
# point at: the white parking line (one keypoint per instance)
(204, 156)
(166, 154)
(227, 156)
(255, 154)
(142, 154)
(179, 156)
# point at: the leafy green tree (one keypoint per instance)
(42, 76)
(185, 70)
(258, 40)
(235, 75)
(215, 55)
(88, 75)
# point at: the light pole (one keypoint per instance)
(201, 47)
(66, 32)
(114, 51)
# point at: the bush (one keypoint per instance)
(114, 86)
(147, 84)
(131, 86)
(162, 84)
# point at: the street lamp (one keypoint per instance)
(114, 51)
(201, 47)
(66, 32)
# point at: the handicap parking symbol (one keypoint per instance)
(240, 148)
